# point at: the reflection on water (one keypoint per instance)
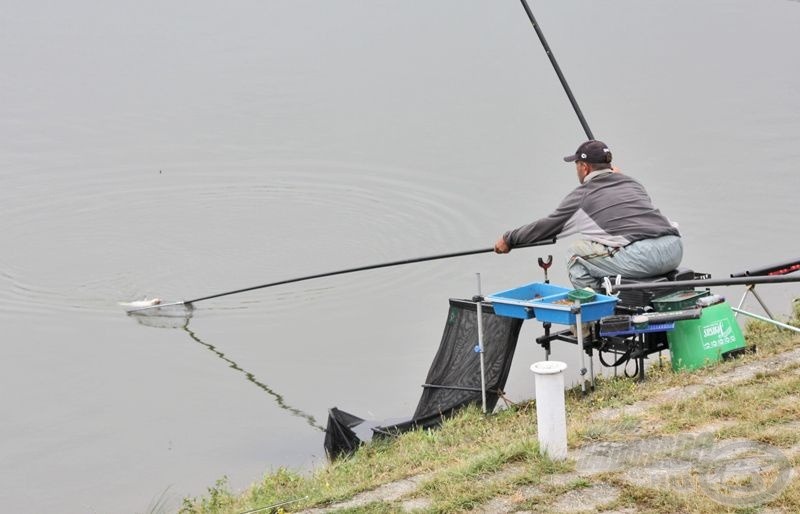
(178, 316)
(279, 400)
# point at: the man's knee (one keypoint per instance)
(580, 277)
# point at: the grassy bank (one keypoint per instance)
(475, 460)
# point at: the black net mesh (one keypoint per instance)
(454, 378)
(453, 381)
(340, 434)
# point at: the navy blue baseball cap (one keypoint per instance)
(594, 152)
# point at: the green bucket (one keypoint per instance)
(698, 342)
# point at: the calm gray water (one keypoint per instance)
(179, 149)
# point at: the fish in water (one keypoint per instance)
(136, 304)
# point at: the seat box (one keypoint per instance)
(643, 297)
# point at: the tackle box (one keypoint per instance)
(619, 323)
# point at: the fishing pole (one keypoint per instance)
(558, 70)
(333, 273)
(733, 281)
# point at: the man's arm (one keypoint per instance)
(549, 227)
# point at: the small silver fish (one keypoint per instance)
(141, 303)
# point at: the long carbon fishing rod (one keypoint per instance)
(733, 281)
(553, 61)
(333, 273)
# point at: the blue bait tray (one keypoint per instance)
(538, 300)
(519, 302)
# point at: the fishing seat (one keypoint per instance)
(636, 299)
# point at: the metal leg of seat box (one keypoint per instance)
(577, 310)
(640, 340)
(766, 320)
(547, 326)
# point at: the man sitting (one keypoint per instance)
(622, 233)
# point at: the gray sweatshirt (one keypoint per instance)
(610, 208)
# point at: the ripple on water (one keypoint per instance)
(88, 241)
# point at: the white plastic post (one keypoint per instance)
(551, 414)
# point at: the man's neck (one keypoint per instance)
(596, 173)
